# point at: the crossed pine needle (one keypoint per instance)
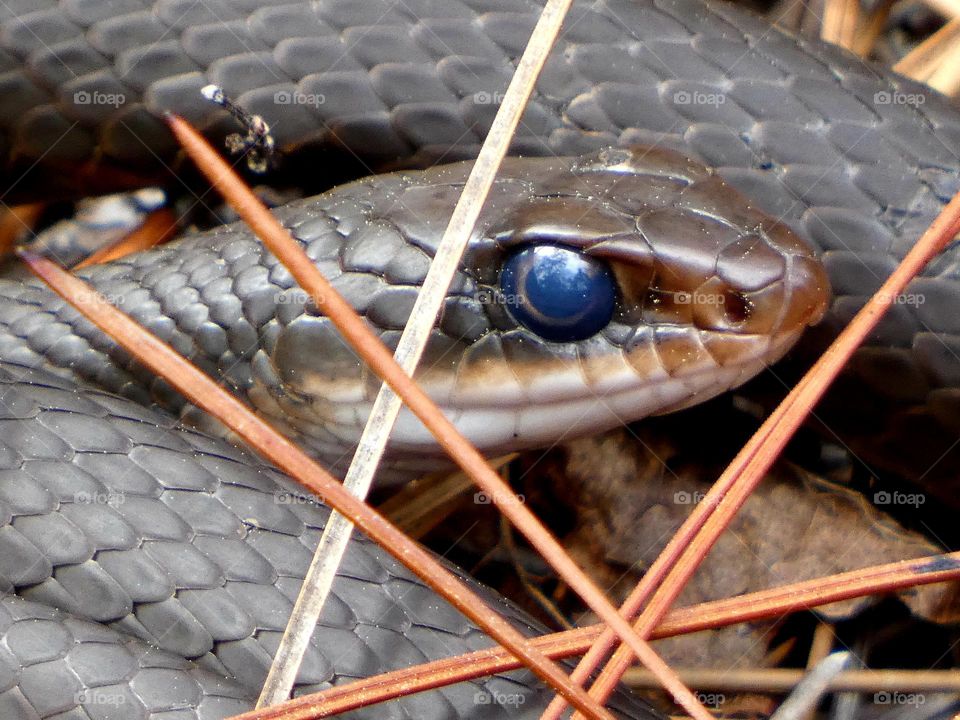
(650, 602)
(676, 564)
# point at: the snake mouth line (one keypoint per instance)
(515, 423)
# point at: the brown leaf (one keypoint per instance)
(795, 527)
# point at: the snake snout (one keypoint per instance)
(720, 278)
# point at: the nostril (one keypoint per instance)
(737, 308)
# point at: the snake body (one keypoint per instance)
(153, 566)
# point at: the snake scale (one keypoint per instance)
(150, 566)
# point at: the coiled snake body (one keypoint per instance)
(115, 517)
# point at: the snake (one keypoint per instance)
(691, 177)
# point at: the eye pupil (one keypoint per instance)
(560, 294)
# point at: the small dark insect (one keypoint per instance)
(257, 145)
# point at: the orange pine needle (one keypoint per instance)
(761, 605)
(159, 227)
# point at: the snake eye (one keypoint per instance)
(560, 294)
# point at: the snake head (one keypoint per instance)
(595, 291)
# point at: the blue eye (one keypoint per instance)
(558, 293)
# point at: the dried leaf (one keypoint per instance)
(796, 526)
